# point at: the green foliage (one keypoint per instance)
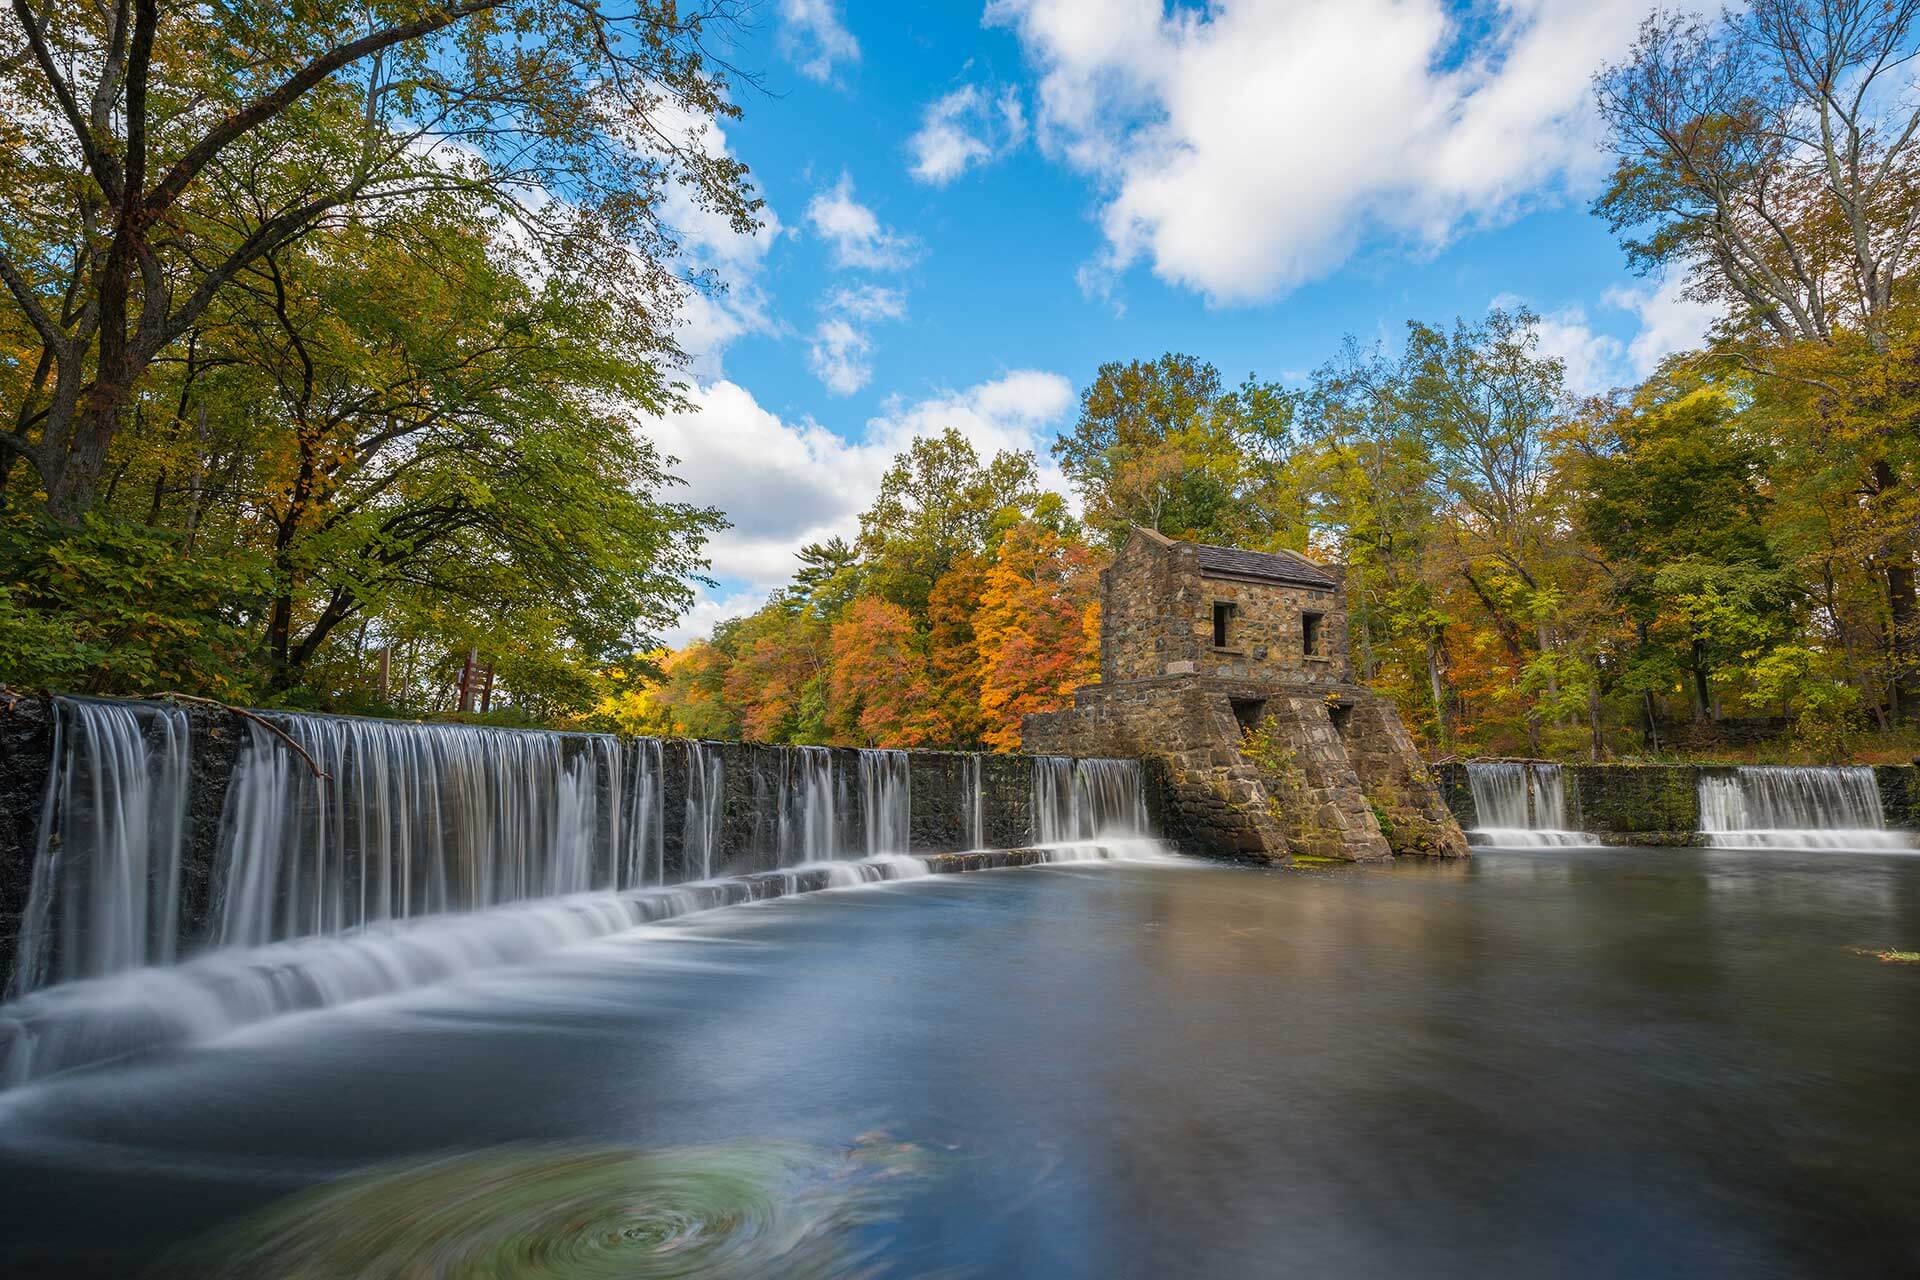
(114, 608)
(1163, 444)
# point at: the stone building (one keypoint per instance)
(1229, 670)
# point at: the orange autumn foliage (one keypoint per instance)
(877, 691)
(1037, 629)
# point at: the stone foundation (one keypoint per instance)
(1264, 772)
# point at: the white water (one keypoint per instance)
(414, 819)
(414, 854)
(1087, 799)
(646, 842)
(105, 889)
(976, 803)
(706, 808)
(1795, 807)
(90, 1023)
(1501, 790)
(886, 801)
(809, 825)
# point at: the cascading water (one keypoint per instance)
(1054, 819)
(359, 858)
(809, 827)
(886, 801)
(406, 820)
(970, 771)
(1795, 807)
(646, 843)
(705, 809)
(1500, 798)
(1087, 799)
(105, 889)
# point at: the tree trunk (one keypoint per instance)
(1436, 678)
(468, 671)
(1702, 694)
(1596, 744)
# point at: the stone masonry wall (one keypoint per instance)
(1310, 788)
(1157, 620)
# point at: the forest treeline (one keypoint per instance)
(1722, 552)
(328, 337)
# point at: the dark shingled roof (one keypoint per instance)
(1279, 566)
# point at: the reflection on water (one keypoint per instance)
(726, 1210)
(1568, 1062)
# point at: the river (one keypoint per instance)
(1553, 1061)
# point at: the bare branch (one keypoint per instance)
(289, 91)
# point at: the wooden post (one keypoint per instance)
(486, 690)
(384, 680)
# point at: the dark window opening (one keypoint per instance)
(1310, 634)
(1222, 622)
(1248, 711)
(1341, 715)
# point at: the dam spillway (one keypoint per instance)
(193, 873)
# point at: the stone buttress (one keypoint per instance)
(1228, 671)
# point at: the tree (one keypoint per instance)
(1775, 156)
(139, 123)
(1162, 444)
(937, 503)
(878, 692)
(1038, 626)
(1677, 509)
(1488, 399)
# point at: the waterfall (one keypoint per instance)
(1500, 799)
(104, 892)
(1077, 800)
(411, 819)
(357, 857)
(646, 843)
(970, 770)
(886, 801)
(809, 823)
(706, 808)
(1111, 798)
(1795, 807)
(1054, 819)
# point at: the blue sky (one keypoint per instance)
(971, 207)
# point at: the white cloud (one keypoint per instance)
(1592, 359)
(814, 38)
(697, 623)
(713, 318)
(785, 483)
(972, 125)
(1669, 321)
(1246, 149)
(838, 356)
(1596, 361)
(856, 235)
(867, 302)
(838, 352)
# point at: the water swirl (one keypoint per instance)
(730, 1210)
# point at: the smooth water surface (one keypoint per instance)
(1563, 1062)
